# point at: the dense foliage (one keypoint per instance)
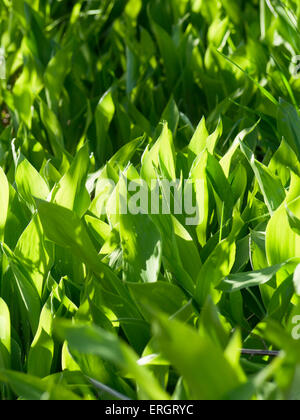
(95, 303)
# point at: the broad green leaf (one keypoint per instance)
(167, 154)
(105, 186)
(158, 296)
(280, 303)
(35, 253)
(27, 292)
(217, 31)
(227, 159)
(71, 191)
(109, 301)
(104, 114)
(238, 181)
(5, 336)
(263, 90)
(211, 325)
(171, 115)
(296, 280)
(18, 217)
(200, 184)
(141, 245)
(187, 248)
(284, 160)
(64, 228)
(221, 186)
(258, 250)
(25, 89)
(41, 353)
(30, 183)
(94, 340)
(233, 353)
(161, 154)
(283, 244)
(53, 129)
(55, 74)
(198, 142)
(294, 222)
(216, 267)
(123, 156)
(200, 362)
(289, 125)
(171, 256)
(270, 185)
(100, 230)
(212, 140)
(4, 199)
(241, 281)
(168, 52)
(34, 389)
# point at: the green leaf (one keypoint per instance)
(198, 142)
(65, 228)
(270, 185)
(294, 222)
(221, 186)
(100, 230)
(158, 296)
(210, 323)
(216, 267)
(296, 280)
(284, 160)
(241, 281)
(163, 154)
(30, 183)
(187, 248)
(283, 244)
(25, 89)
(227, 159)
(41, 353)
(200, 362)
(55, 74)
(35, 253)
(94, 340)
(168, 52)
(171, 256)
(264, 91)
(34, 389)
(4, 199)
(53, 129)
(71, 191)
(199, 180)
(289, 125)
(27, 291)
(5, 336)
(171, 115)
(122, 157)
(103, 116)
(141, 245)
